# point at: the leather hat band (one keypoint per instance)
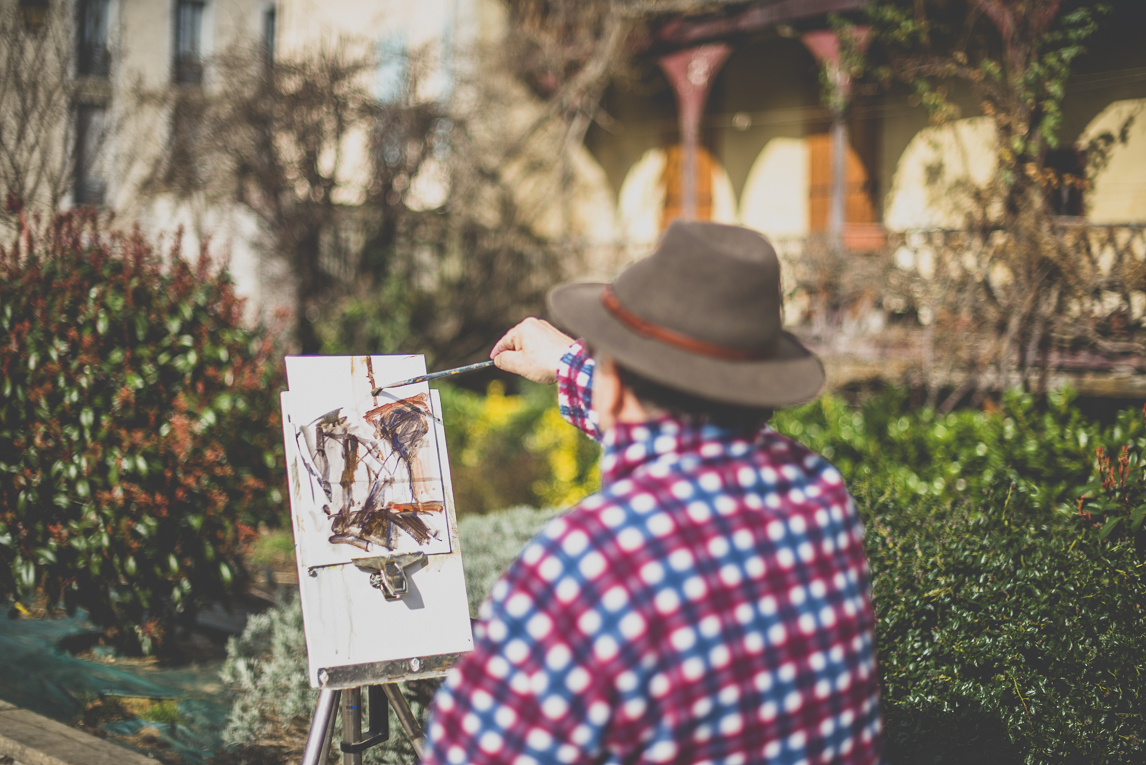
(653, 331)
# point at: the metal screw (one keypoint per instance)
(415, 665)
(323, 677)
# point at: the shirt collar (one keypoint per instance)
(628, 446)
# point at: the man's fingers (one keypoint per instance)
(531, 349)
(508, 360)
(508, 342)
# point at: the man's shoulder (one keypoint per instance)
(573, 532)
(793, 459)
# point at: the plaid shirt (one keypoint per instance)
(710, 604)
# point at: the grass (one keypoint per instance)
(274, 548)
(107, 708)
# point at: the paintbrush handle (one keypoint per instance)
(435, 376)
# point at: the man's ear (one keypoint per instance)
(613, 400)
(608, 391)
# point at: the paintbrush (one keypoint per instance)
(434, 376)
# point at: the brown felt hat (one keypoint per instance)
(701, 314)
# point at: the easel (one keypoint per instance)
(343, 686)
(361, 613)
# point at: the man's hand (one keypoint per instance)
(532, 349)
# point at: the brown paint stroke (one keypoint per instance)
(403, 425)
(370, 373)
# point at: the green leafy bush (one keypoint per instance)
(1002, 638)
(138, 428)
(1047, 451)
(1115, 501)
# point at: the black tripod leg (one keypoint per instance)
(379, 713)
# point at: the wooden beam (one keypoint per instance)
(685, 31)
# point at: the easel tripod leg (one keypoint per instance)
(405, 717)
(328, 739)
(351, 724)
(320, 727)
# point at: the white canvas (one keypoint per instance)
(343, 466)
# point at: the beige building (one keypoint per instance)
(733, 94)
(103, 72)
(124, 64)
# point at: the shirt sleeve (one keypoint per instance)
(575, 389)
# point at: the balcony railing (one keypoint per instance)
(1073, 302)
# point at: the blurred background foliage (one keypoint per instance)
(509, 450)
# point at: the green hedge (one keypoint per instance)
(513, 450)
(138, 428)
(1047, 450)
(1004, 636)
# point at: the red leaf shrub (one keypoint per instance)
(139, 428)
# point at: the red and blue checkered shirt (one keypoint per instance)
(709, 605)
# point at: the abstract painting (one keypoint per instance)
(376, 476)
(370, 495)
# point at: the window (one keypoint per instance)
(182, 169)
(1065, 195)
(93, 59)
(188, 42)
(90, 186)
(34, 14)
(269, 34)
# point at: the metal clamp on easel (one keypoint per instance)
(388, 572)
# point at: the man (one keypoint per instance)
(711, 603)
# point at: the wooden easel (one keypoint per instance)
(359, 612)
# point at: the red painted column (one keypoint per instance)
(691, 72)
(825, 46)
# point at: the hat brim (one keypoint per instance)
(791, 375)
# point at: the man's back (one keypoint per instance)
(709, 604)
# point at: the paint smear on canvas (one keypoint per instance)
(379, 484)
